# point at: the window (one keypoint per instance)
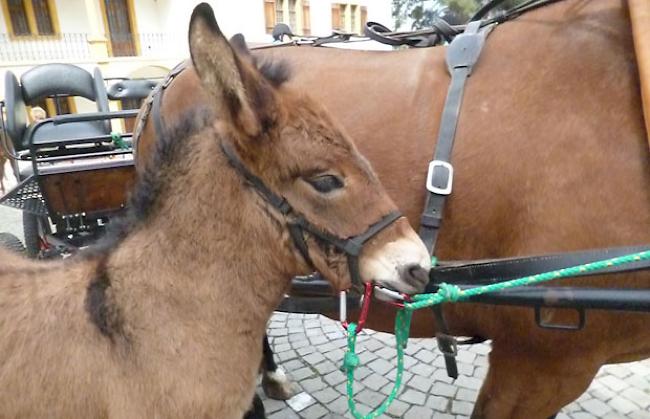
(343, 18)
(294, 13)
(269, 15)
(349, 17)
(364, 19)
(279, 12)
(119, 21)
(306, 18)
(336, 17)
(30, 17)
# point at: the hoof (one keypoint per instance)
(276, 385)
(257, 409)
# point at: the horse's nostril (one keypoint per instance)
(415, 275)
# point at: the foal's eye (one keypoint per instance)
(325, 183)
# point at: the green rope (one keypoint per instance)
(351, 361)
(452, 293)
(116, 137)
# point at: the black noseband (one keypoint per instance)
(298, 225)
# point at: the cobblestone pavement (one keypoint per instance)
(11, 221)
(310, 349)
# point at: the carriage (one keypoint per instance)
(73, 170)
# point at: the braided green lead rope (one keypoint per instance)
(452, 293)
(116, 137)
(351, 361)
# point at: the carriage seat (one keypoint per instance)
(48, 80)
(131, 89)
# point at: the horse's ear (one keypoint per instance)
(238, 42)
(221, 71)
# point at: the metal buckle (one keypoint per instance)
(446, 190)
(447, 344)
(391, 297)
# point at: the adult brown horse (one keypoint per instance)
(550, 156)
(166, 321)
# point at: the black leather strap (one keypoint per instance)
(492, 271)
(298, 224)
(158, 123)
(462, 55)
(153, 103)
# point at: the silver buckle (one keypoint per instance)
(446, 190)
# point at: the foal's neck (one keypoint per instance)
(209, 246)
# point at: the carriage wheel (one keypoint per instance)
(10, 242)
(34, 227)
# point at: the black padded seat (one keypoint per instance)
(131, 89)
(74, 131)
(49, 80)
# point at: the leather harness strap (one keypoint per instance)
(485, 272)
(298, 225)
(640, 20)
(462, 54)
(152, 106)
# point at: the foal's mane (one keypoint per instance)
(169, 148)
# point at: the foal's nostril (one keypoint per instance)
(415, 275)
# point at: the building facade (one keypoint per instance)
(145, 38)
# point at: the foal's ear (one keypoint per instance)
(233, 83)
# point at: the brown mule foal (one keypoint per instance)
(550, 156)
(166, 321)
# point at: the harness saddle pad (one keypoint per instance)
(640, 18)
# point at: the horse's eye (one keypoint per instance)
(325, 183)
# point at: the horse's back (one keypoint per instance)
(550, 153)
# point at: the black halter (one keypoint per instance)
(298, 225)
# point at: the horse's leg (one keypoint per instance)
(531, 385)
(274, 381)
(257, 409)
